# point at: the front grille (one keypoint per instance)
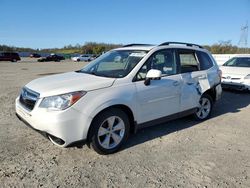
(229, 78)
(28, 98)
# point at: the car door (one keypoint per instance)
(161, 97)
(195, 80)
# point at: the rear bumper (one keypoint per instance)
(218, 91)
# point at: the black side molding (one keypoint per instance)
(165, 119)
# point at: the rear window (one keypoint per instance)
(205, 60)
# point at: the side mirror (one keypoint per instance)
(153, 74)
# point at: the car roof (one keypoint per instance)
(150, 47)
(139, 47)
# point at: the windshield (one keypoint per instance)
(114, 64)
(238, 62)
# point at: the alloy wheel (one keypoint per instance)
(111, 132)
(204, 108)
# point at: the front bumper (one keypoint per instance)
(235, 85)
(69, 125)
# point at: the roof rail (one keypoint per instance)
(184, 43)
(128, 45)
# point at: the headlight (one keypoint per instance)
(247, 77)
(61, 102)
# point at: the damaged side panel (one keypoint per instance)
(194, 85)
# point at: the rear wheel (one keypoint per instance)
(109, 131)
(205, 108)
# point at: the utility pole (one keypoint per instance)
(243, 37)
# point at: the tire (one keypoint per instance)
(14, 60)
(78, 60)
(109, 130)
(204, 110)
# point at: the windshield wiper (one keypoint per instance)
(94, 73)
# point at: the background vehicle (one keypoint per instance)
(236, 73)
(9, 56)
(52, 57)
(84, 57)
(123, 90)
(35, 55)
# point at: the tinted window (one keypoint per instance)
(238, 62)
(205, 60)
(163, 60)
(188, 61)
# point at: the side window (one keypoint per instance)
(188, 61)
(205, 60)
(163, 60)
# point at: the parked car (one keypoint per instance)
(84, 57)
(35, 55)
(52, 57)
(124, 90)
(236, 73)
(9, 56)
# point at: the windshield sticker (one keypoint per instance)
(138, 54)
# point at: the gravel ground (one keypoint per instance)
(181, 153)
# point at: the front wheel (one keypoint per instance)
(205, 108)
(109, 131)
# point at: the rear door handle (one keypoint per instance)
(176, 83)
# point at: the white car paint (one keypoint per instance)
(236, 76)
(222, 58)
(68, 82)
(84, 57)
(167, 96)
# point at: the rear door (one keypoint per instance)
(195, 80)
(162, 97)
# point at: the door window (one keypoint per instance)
(163, 60)
(188, 61)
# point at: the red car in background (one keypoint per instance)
(9, 56)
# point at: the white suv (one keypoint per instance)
(120, 92)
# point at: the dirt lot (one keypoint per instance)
(181, 153)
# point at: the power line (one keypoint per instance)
(243, 36)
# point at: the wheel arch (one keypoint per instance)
(122, 107)
(212, 93)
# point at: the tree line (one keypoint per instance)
(222, 47)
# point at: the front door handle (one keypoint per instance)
(190, 83)
(176, 83)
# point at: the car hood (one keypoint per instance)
(68, 82)
(241, 71)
